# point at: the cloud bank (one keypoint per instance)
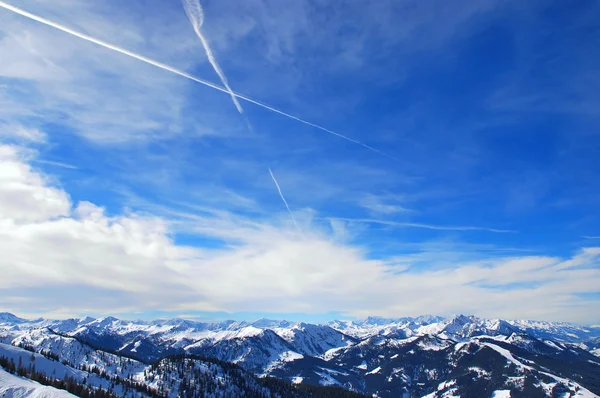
(89, 259)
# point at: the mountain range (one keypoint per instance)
(427, 356)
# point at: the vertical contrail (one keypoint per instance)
(194, 11)
(284, 201)
(179, 72)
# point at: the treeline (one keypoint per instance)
(285, 389)
(46, 353)
(185, 376)
(192, 376)
(127, 384)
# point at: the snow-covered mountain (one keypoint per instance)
(424, 356)
(10, 319)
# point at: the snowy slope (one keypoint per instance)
(42, 364)
(254, 349)
(78, 355)
(313, 340)
(17, 387)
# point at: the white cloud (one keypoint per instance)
(382, 204)
(22, 134)
(75, 258)
(26, 196)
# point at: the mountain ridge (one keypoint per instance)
(387, 357)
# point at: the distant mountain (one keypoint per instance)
(6, 318)
(415, 357)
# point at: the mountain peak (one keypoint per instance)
(7, 317)
(270, 323)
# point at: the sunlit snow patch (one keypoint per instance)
(376, 370)
(297, 380)
(13, 386)
(290, 356)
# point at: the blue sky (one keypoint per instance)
(140, 192)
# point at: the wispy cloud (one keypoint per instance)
(386, 204)
(24, 134)
(57, 164)
(421, 225)
(181, 73)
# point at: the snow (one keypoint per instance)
(584, 394)
(504, 352)
(249, 331)
(265, 345)
(374, 371)
(297, 380)
(441, 387)
(330, 354)
(327, 380)
(516, 381)
(433, 346)
(314, 340)
(501, 394)
(446, 384)
(42, 364)
(334, 372)
(581, 393)
(480, 372)
(552, 344)
(9, 319)
(290, 356)
(17, 387)
(375, 326)
(458, 346)
(135, 346)
(433, 329)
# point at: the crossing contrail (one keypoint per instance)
(180, 73)
(194, 11)
(284, 201)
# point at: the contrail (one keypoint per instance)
(194, 11)
(58, 164)
(284, 201)
(180, 73)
